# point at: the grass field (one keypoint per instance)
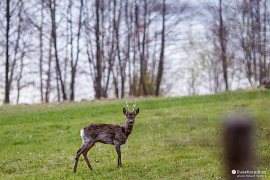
(173, 138)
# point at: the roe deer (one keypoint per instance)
(265, 82)
(107, 134)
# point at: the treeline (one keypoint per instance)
(121, 48)
(120, 45)
(234, 50)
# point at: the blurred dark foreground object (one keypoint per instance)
(238, 145)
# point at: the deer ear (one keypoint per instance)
(137, 111)
(124, 111)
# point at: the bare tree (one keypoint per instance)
(49, 73)
(41, 51)
(141, 45)
(161, 59)
(223, 42)
(52, 8)
(7, 87)
(75, 64)
(12, 44)
(98, 75)
(19, 84)
(220, 30)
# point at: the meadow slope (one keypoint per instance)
(173, 138)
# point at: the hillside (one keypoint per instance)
(172, 137)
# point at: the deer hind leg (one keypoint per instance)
(85, 155)
(118, 150)
(77, 157)
(87, 144)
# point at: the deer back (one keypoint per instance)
(104, 133)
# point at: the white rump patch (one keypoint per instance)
(85, 139)
(82, 134)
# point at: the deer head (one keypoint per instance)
(130, 115)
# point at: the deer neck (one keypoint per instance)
(128, 128)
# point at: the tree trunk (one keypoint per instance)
(48, 80)
(161, 59)
(54, 37)
(264, 39)
(143, 63)
(74, 65)
(7, 88)
(41, 52)
(97, 84)
(57, 87)
(19, 87)
(223, 47)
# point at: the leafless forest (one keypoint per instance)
(118, 49)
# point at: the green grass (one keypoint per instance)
(173, 138)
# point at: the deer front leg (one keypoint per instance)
(118, 150)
